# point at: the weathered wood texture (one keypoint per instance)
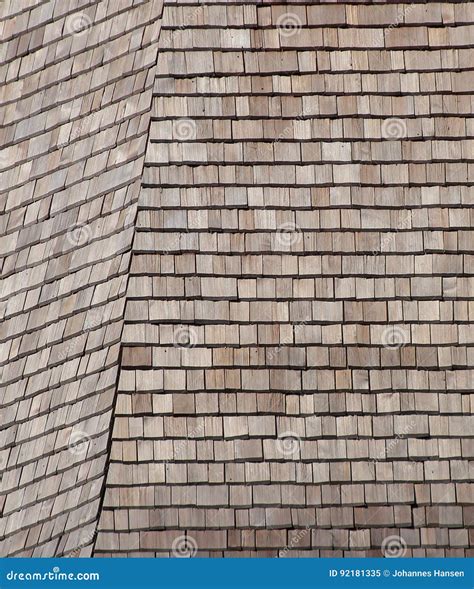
(237, 278)
(77, 79)
(296, 375)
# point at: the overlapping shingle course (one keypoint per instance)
(76, 97)
(296, 347)
(296, 353)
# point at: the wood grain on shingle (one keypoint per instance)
(296, 348)
(237, 278)
(76, 97)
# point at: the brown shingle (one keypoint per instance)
(296, 328)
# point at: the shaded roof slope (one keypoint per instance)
(76, 94)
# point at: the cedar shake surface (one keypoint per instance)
(237, 270)
(76, 94)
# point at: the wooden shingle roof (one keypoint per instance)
(237, 278)
(76, 98)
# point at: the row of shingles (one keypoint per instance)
(151, 470)
(423, 200)
(217, 14)
(189, 264)
(312, 174)
(142, 451)
(233, 62)
(11, 8)
(81, 91)
(183, 477)
(171, 219)
(315, 152)
(76, 299)
(377, 12)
